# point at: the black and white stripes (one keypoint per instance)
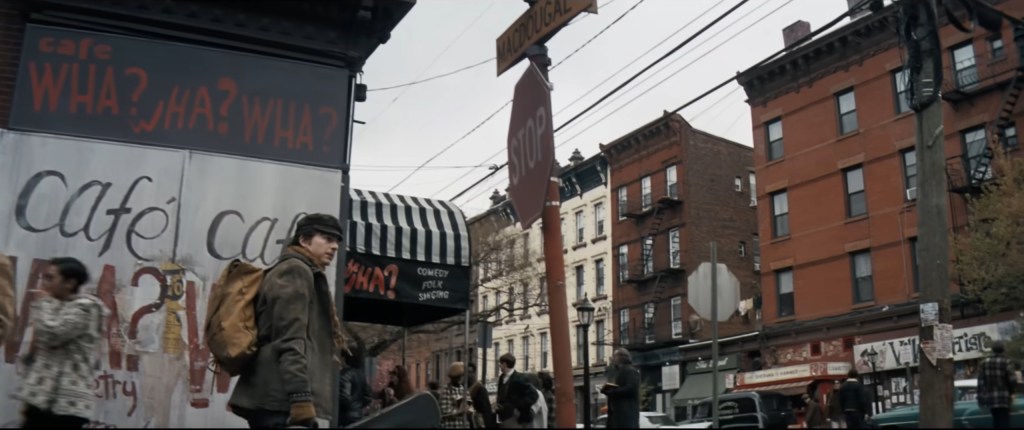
(410, 228)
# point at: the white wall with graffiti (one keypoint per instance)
(155, 226)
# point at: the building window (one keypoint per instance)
(623, 201)
(599, 277)
(623, 262)
(1010, 136)
(753, 189)
(965, 69)
(511, 303)
(995, 45)
(974, 146)
(648, 254)
(784, 284)
(544, 350)
(561, 222)
(497, 306)
(526, 247)
(780, 214)
(856, 199)
(645, 192)
(914, 263)
(599, 219)
(677, 317)
(542, 297)
(580, 286)
(526, 353)
(910, 173)
(649, 322)
(774, 130)
(671, 182)
(743, 249)
(485, 303)
(497, 353)
(673, 248)
(525, 298)
(599, 327)
(624, 326)
(901, 83)
(580, 227)
(579, 345)
(737, 184)
(756, 243)
(511, 346)
(863, 286)
(847, 105)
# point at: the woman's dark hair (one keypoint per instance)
(71, 269)
(547, 382)
(533, 379)
(404, 386)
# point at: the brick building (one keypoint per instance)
(675, 189)
(836, 171)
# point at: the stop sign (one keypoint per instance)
(531, 146)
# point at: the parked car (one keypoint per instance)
(754, 409)
(966, 413)
(648, 420)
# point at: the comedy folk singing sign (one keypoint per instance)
(180, 96)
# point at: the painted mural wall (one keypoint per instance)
(155, 227)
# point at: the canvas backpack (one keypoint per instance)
(231, 333)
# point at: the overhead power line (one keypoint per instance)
(509, 102)
(767, 59)
(461, 69)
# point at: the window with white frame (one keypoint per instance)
(542, 297)
(1010, 136)
(580, 285)
(599, 219)
(561, 222)
(599, 277)
(526, 352)
(671, 182)
(737, 184)
(525, 298)
(511, 301)
(856, 199)
(965, 69)
(975, 142)
(743, 248)
(645, 192)
(579, 345)
(485, 303)
(599, 326)
(580, 237)
(996, 47)
(497, 306)
(863, 283)
(847, 106)
(909, 171)
(753, 188)
(624, 326)
(623, 262)
(677, 317)
(784, 286)
(780, 214)
(511, 345)
(773, 130)
(649, 322)
(648, 254)
(622, 202)
(544, 350)
(901, 85)
(674, 258)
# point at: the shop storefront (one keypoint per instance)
(699, 381)
(793, 381)
(893, 376)
(654, 366)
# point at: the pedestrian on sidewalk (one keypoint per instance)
(289, 382)
(483, 416)
(814, 417)
(996, 383)
(61, 364)
(623, 393)
(547, 383)
(853, 398)
(835, 410)
(455, 403)
(516, 396)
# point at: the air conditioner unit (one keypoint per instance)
(911, 193)
(753, 203)
(757, 267)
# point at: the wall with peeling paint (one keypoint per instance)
(155, 226)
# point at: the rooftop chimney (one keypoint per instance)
(496, 198)
(576, 158)
(794, 32)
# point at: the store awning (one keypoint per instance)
(789, 388)
(697, 387)
(408, 260)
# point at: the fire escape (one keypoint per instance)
(644, 273)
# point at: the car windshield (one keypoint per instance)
(661, 420)
(739, 405)
(965, 393)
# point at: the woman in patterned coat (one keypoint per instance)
(57, 388)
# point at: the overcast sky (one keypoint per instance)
(407, 126)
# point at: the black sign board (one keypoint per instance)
(180, 96)
(384, 290)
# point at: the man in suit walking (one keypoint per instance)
(515, 396)
(996, 383)
(624, 394)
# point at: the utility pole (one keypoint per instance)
(925, 63)
(714, 335)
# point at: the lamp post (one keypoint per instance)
(873, 359)
(585, 315)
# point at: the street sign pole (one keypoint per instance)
(554, 265)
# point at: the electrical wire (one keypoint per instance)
(461, 69)
(598, 34)
(767, 59)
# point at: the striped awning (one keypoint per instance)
(410, 228)
(789, 388)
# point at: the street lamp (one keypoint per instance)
(873, 359)
(585, 315)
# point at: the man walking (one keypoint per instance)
(67, 327)
(6, 296)
(624, 394)
(289, 380)
(455, 404)
(515, 396)
(854, 401)
(996, 385)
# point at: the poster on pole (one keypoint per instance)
(944, 341)
(929, 314)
